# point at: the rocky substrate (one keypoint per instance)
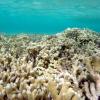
(65, 66)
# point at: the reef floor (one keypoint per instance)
(64, 66)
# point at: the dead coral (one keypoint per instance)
(93, 62)
(60, 67)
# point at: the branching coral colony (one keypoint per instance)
(65, 66)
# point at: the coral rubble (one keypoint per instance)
(65, 66)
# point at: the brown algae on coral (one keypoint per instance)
(65, 66)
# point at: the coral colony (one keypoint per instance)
(65, 66)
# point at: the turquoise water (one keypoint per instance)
(48, 16)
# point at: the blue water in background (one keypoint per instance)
(48, 16)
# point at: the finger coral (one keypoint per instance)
(65, 66)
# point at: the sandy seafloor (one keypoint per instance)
(64, 66)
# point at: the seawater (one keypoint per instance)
(48, 16)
